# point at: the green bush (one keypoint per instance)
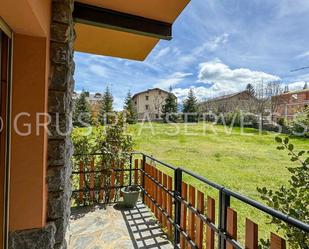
(292, 199)
(300, 125)
(237, 119)
(108, 146)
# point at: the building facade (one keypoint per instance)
(243, 101)
(149, 103)
(288, 104)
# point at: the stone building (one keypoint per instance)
(149, 103)
(37, 42)
(243, 101)
(286, 105)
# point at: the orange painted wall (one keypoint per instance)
(30, 22)
(28, 190)
(29, 17)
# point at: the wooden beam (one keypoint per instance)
(106, 18)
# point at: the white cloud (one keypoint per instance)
(225, 79)
(303, 55)
(296, 85)
(200, 92)
(292, 7)
(172, 80)
(162, 53)
(98, 70)
(217, 42)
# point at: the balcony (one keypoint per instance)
(171, 213)
(116, 227)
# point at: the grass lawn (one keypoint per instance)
(238, 159)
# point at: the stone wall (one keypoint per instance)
(60, 108)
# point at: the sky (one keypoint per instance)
(218, 47)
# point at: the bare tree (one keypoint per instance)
(264, 92)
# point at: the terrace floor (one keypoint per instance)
(116, 228)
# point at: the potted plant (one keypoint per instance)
(130, 195)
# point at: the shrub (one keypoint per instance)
(292, 199)
(300, 125)
(112, 146)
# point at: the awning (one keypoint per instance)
(127, 29)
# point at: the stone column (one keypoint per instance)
(60, 108)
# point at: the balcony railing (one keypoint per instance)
(178, 206)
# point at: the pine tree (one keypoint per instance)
(250, 89)
(82, 116)
(129, 108)
(190, 108)
(305, 86)
(169, 108)
(106, 110)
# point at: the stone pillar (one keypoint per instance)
(60, 108)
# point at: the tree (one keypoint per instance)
(82, 116)
(291, 199)
(286, 89)
(190, 108)
(106, 109)
(169, 108)
(129, 108)
(250, 89)
(305, 86)
(265, 101)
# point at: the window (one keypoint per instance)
(147, 97)
(157, 116)
(135, 103)
(147, 107)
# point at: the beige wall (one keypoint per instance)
(156, 99)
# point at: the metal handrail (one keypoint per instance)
(273, 212)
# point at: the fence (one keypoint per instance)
(180, 208)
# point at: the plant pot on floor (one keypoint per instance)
(130, 195)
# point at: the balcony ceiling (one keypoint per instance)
(99, 32)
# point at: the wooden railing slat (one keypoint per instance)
(251, 235)
(156, 193)
(160, 195)
(101, 195)
(199, 222)
(81, 181)
(92, 180)
(112, 182)
(183, 220)
(231, 226)
(170, 206)
(164, 200)
(152, 189)
(136, 172)
(191, 223)
(277, 242)
(211, 215)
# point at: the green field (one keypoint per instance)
(238, 159)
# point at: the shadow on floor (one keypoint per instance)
(80, 212)
(143, 228)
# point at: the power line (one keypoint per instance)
(299, 69)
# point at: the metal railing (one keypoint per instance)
(157, 192)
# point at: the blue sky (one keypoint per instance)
(218, 47)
